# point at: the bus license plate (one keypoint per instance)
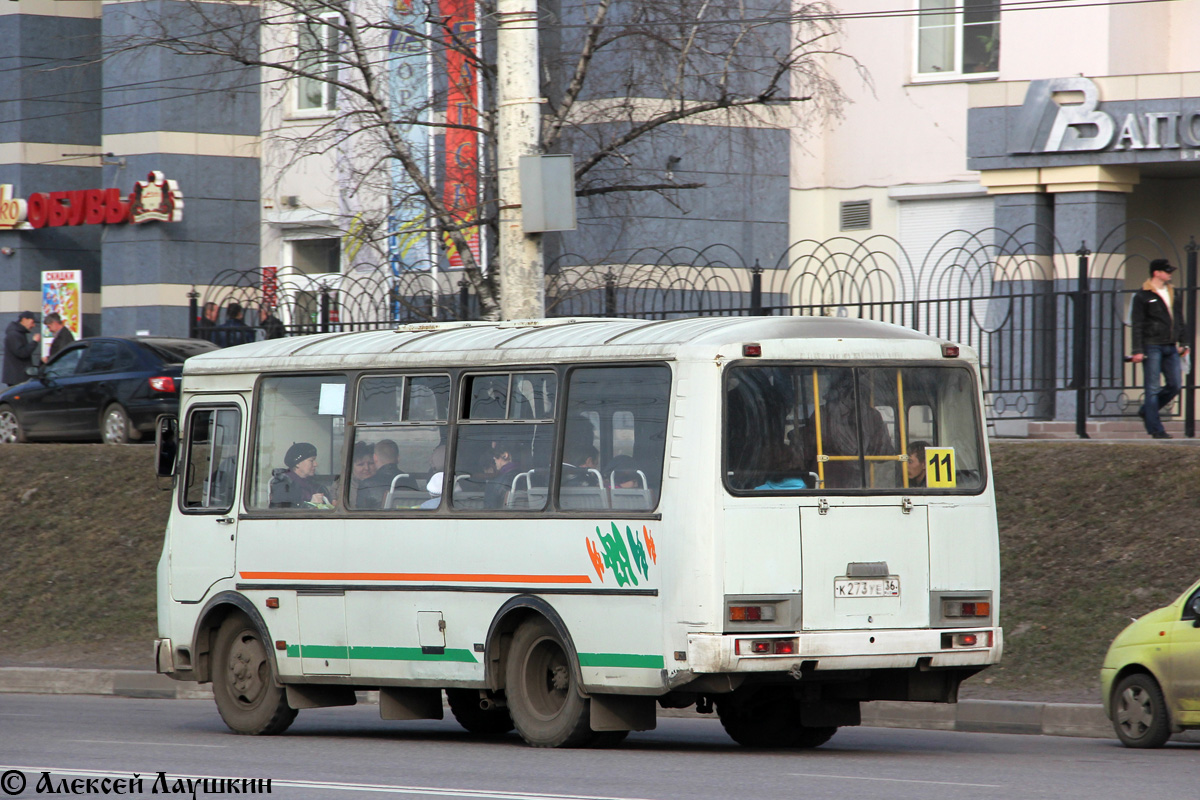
(870, 587)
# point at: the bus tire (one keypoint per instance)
(464, 705)
(543, 694)
(769, 721)
(243, 682)
(1140, 712)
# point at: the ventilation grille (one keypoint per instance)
(856, 215)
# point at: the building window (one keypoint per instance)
(955, 40)
(855, 215)
(314, 256)
(316, 56)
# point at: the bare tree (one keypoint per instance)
(616, 74)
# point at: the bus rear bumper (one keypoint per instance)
(843, 650)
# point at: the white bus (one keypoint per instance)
(565, 524)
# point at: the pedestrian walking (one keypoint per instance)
(19, 347)
(1158, 343)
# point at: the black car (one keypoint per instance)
(107, 387)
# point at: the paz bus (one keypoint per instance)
(565, 524)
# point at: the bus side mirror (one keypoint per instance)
(166, 444)
(1195, 608)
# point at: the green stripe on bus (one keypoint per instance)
(620, 660)
(377, 653)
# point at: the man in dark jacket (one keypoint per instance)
(62, 335)
(19, 347)
(1158, 342)
(234, 331)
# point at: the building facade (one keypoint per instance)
(268, 175)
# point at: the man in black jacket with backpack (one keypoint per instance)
(1158, 342)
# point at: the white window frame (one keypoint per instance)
(324, 25)
(954, 9)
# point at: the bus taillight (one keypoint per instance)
(765, 647)
(951, 641)
(752, 613)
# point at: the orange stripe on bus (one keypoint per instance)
(412, 576)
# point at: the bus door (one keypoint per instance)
(864, 566)
(204, 533)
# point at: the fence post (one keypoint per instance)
(464, 299)
(610, 294)
(193, 312)
(324, 309)
(756, 305)
(1189, 399)
(1083, 344)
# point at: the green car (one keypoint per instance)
(1151, 675)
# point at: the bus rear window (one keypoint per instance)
(828, 428)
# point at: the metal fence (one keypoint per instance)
(1050, 324)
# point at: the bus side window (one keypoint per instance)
(617, 417)
(210, 476)
(298, 414)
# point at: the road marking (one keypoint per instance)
(150, 776)
(894, 780)
(143, 744)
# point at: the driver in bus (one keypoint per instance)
(294, 487)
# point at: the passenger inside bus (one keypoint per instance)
(916, 464)
(293, 486)
(500, 483)
(434, 487)
(844, 418)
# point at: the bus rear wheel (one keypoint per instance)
(464, 705)
(769, 720)
(243, 682)
(544, 699)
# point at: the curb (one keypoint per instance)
(973, 716)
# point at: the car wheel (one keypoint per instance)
(10, 427)
(1140, 712)
(114, 425)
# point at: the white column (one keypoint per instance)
(522, 281)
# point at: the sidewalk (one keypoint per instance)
(978, 716)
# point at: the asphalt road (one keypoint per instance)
(350, 752)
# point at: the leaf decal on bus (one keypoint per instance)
(650, 545)
(597, 559)
(637, 551)
(616, 556)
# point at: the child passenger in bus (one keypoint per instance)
(294, 486)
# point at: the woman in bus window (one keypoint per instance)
(294, 486)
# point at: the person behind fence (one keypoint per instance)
(269, 324)
(207, 324)
(19, 346)
(62, 335)
(1158, 343)
(234, 331)
(294, 486)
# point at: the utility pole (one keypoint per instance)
(522, 273)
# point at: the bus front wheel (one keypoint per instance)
(243, 683)
(543, 693)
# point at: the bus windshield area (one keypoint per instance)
(792, 428)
